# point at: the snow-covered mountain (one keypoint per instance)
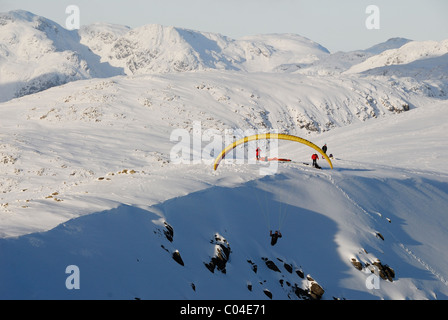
(91, 178)
(37, 53)
(414, 64)
(156, 48)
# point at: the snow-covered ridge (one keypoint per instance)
(408, 53)
(155, 48)
(87, 180)
(37, 53)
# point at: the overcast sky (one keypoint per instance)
(338, 25)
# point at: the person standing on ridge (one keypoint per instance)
(324, 148)
(258, 153)
(314, 157)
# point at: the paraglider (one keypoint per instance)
(274, 237)
(268, 136)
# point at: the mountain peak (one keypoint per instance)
(23, 16)
(392, 43)
(37, 53)
(18, 15)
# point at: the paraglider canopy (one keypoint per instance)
(268, 136)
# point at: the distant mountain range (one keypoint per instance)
(37, 53)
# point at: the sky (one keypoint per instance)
(338, 25)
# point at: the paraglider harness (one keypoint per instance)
(274, 237)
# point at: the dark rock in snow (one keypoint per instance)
(379, 235)
(288, 267)
(300, 273)
(271, 265)
(178, 258)
(316, 291)
(385, 272)
(169, 232)
(254, 266)
(356, 264)
(221, 257)
(268, 293)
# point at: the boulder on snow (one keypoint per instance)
(254, 266)
(356, 264)
(288, 267)
(316, 291)
(271, 265)
(178, 258)
(385, 272)
(300, 273)
(169, 232)
(268, 293)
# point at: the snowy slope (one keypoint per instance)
(392, 43)
(409, 52)
(88, 180)
(36, 54)
(155, 48)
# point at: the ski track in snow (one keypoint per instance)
(440, 277)
(401, 245)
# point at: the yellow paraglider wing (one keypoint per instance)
(268, 136)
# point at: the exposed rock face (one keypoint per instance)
(222, 254)
(271, 265)
(385, 272)
(316, 291)
(268, 293)
(178, 258)
(169, 232)
(291, 278)
(356, 264)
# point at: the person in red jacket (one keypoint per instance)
(315, 157)
(258, 153)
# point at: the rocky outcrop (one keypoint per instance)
(271, 265)
(168, 232)
(291, 279)
(296, 288)
(315, 291)
(383, 270)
